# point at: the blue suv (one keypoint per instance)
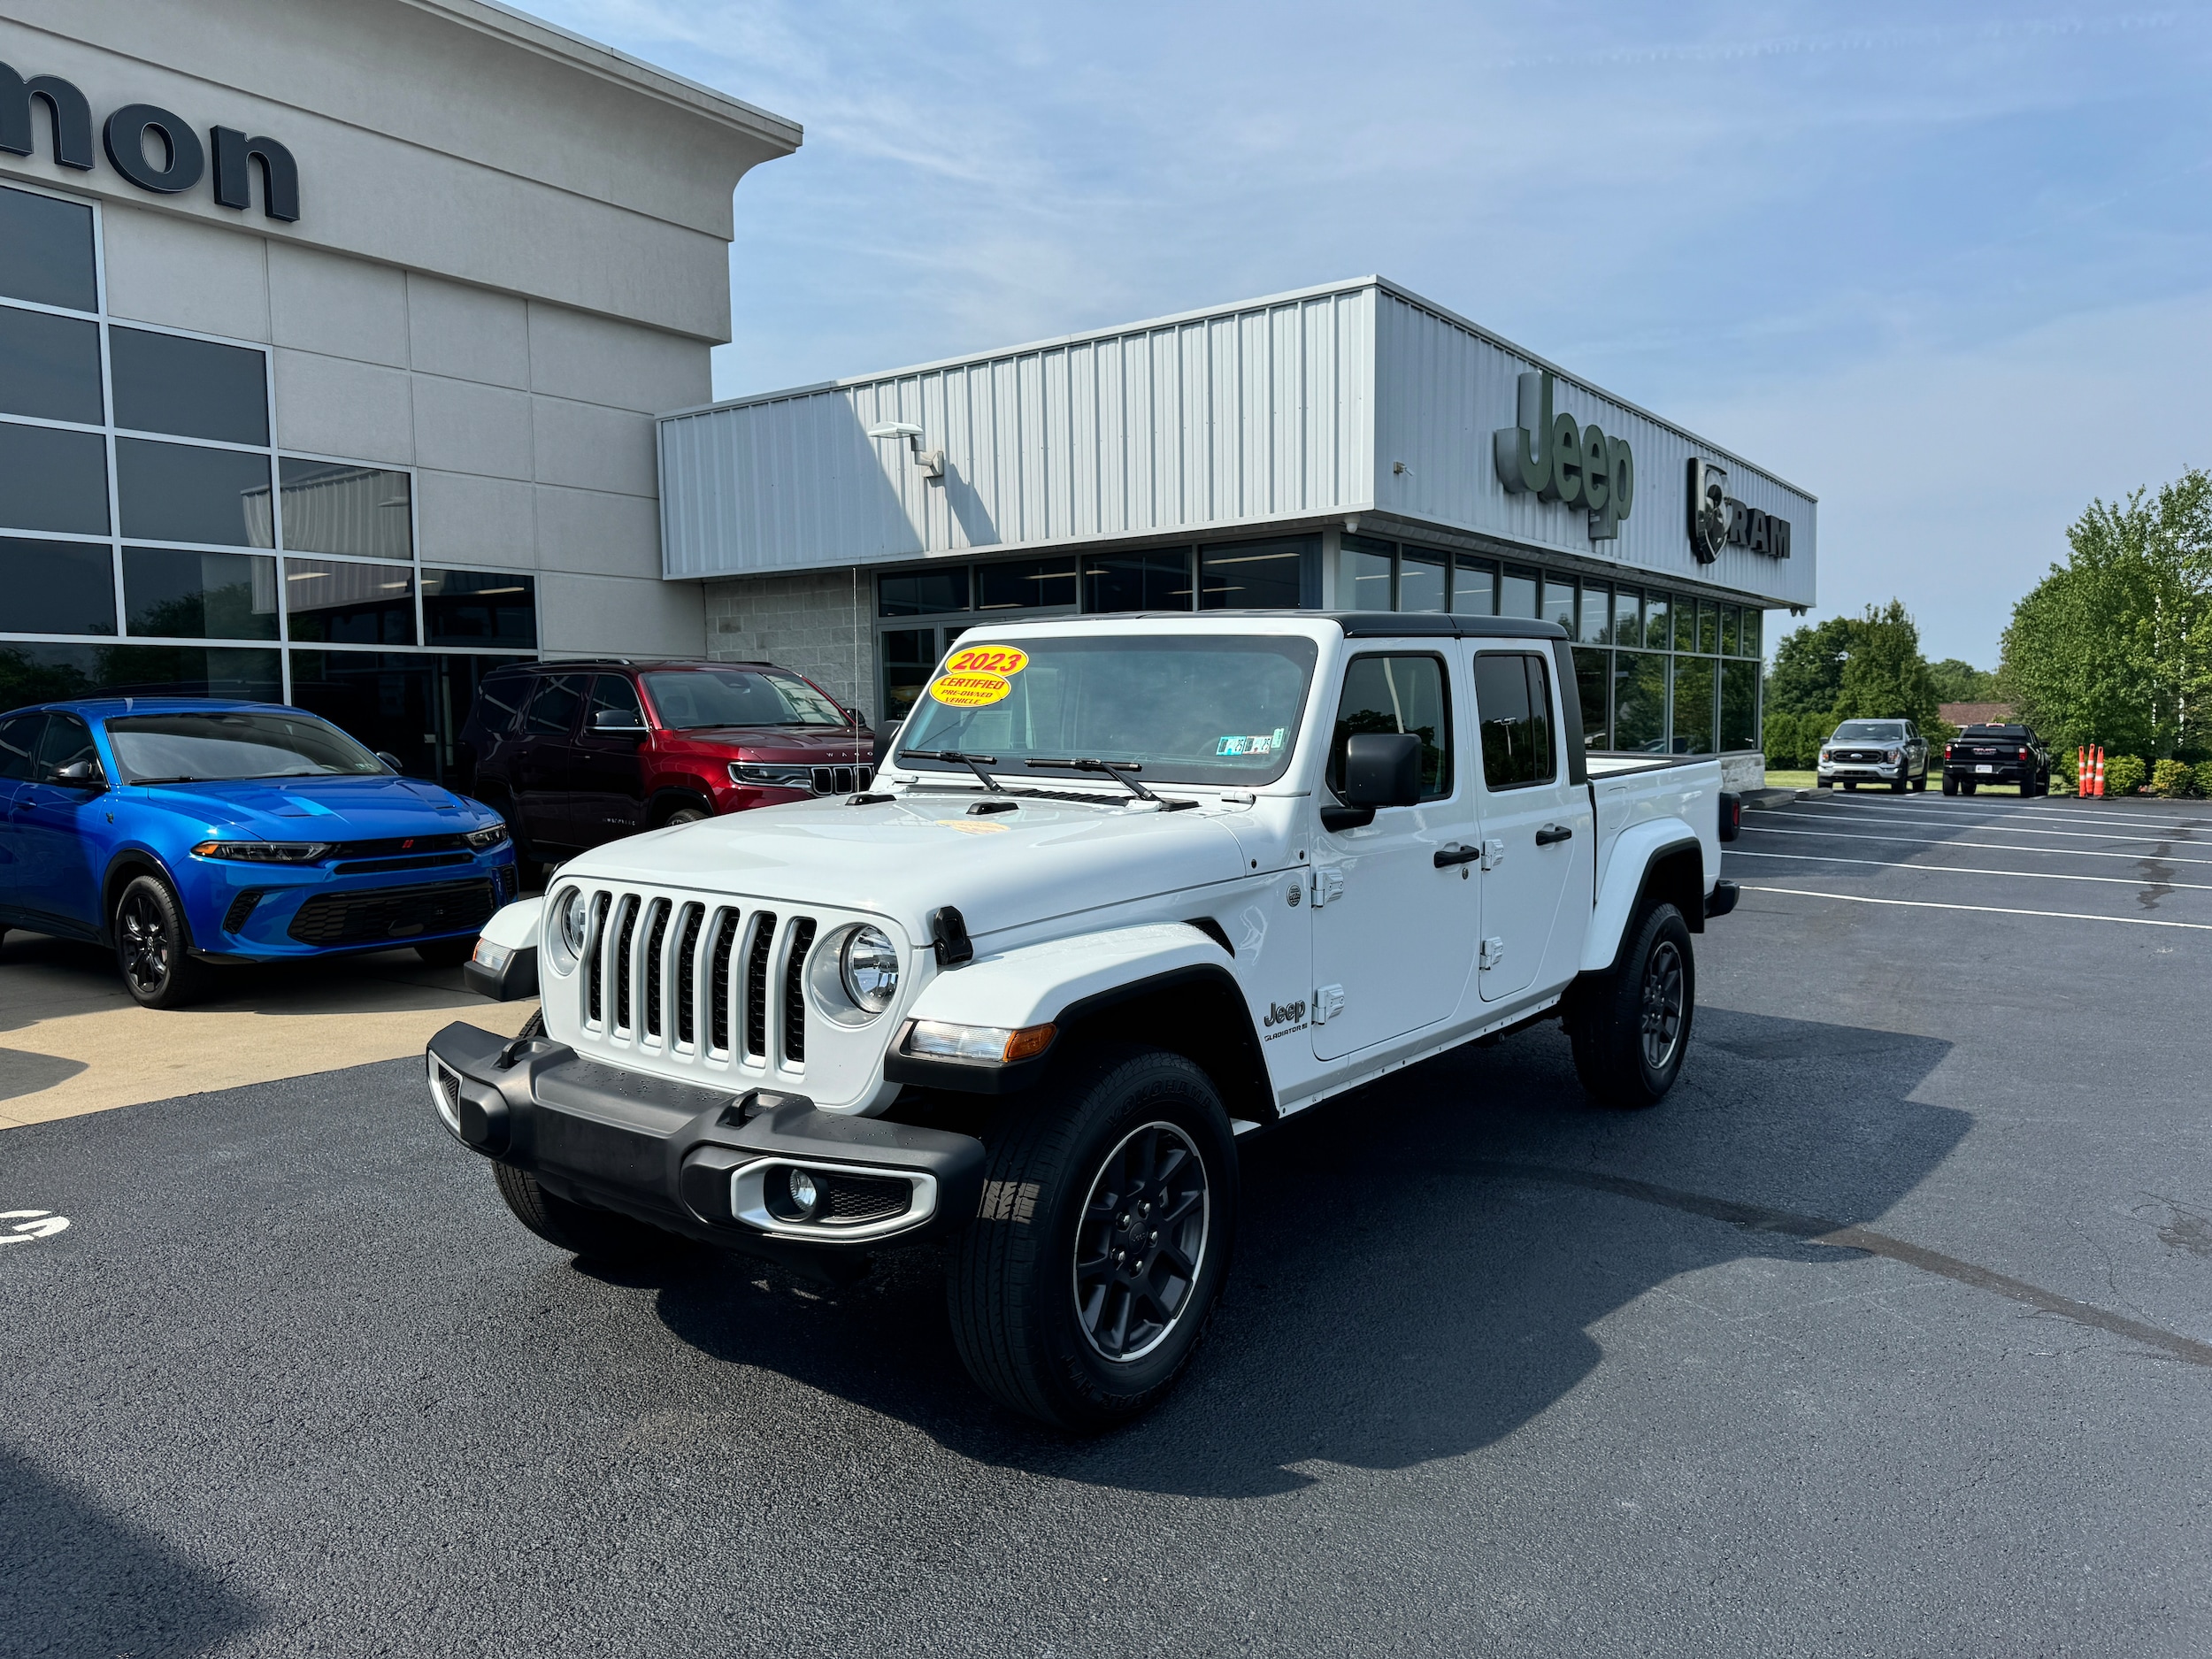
(184, 831)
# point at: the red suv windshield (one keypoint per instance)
(692, 698)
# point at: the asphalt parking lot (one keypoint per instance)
(1889, 1332)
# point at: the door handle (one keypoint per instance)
(1446, 856)
(1552, 833)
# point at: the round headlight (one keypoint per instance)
(868, 963)
(571, 926)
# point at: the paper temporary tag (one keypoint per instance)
(1261, 744)
(988, 660)
(969, 691)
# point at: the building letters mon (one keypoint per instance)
(124, 136)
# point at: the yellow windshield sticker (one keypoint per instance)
(988, 660)
(969, 691)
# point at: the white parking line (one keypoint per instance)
(1966, 869)
(1910, 818)
(1990, 909)
(2073, 815)
(1997, 846)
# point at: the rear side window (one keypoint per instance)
(614, 692)
(19, 742)
(499, 700)
(1513, 706)
(553, 710)
(1397, 694)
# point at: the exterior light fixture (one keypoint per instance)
(931, 462)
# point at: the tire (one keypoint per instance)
(1901, 783)
(1920, 784)
(1822, 783)
(1047, 1314)
(589, 1234)
(152, 946)
(1950, 786)
(446, 953)
(1851, 786)
(684, 815)
(1631, 1027)
(2028, 791)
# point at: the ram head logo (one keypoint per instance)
(1709, 511)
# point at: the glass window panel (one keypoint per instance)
(1739, 705)
(36, 673)
(46, 251)
(1513, 706)
(382, 699)
(1421, 581)
(56, 587)
(1025, 585)
(613, 693)
(459, 678)
(349, 604)
(553, 710)
(1364, 575)
(1640, 701)
(920, 592)
(477, 607)
(1474, 586)
(1658, 630)
(1708, 627)
(1397, 694)
(1593, 674)
(340, 507)
(1693, 705)
(177, 492)
(1751, 627)
(192, 388)
(1516, 594)
(1559, 602)
(50, 366)
(199, 596)
(1628, 622)
(1728, 630)
(67, 740)
(1597, 614)
(52, 479)
(19, 739)
(1138, 581)
(1685, 625)
(909, 654)
(1254, 575)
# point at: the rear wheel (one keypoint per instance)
(1631, 1028)
(151, 946)
(591, 1234)
(1099, 1250)
(685, 815)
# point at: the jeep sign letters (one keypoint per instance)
(1562, 461)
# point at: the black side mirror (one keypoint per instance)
(79, 774)
(1381, 768)
(615, 723)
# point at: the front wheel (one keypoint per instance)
(685, 815)
(152, 947)
(1101, 1242)
(1631, 1028)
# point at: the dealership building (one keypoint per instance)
(346, 351)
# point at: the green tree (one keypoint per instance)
(1807, 675)
(1959, 681)
(2114, 646)
(1885, 676)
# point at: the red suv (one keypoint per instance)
(578, 753)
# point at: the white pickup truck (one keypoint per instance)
(1127, 889)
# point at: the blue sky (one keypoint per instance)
(1949, 268)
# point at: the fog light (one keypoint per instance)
(806, 1197)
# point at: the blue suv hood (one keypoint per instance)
(323, 809)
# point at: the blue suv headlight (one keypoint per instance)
(265, 852)
(491, 835)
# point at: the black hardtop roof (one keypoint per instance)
(1997, 729)
(1357, 625)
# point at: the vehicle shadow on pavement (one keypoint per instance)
(80, 1581)
(1420, 1264)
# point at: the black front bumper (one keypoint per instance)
(698, 1161)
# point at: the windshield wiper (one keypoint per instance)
(1117, 770)
(182, 778)
(960, 758)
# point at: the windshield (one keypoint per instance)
(690, 698)
(1217, 710)
(1869, 731)
(220, 748)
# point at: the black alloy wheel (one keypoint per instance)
(152, 947)
(1665, 1004)
(1140, 1242)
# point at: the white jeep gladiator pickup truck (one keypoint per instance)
(1127, 888)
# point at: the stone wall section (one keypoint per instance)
(815, 623)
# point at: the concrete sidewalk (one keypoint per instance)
(71, 1041)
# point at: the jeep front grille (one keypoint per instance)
(663, 974)
(841, 780)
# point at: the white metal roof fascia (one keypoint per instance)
(1350, 285)
(534, 34)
